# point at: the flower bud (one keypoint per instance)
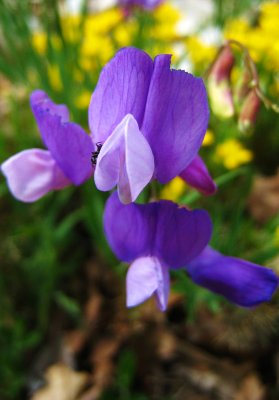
(249, 111)
(219, 87)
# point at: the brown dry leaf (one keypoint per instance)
(251, 389)
(264, 199)
(62, 384)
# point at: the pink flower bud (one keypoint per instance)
(249, 110)
(219, 87)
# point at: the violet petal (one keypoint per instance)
(146, 276)
(240, 281)
(41, 99)
(127, 230)
(122, 89)
(69, 144)
(146, 4)
(33, 173)
(181, 234)
(175, 118)
(197, 175)
(162, 229)
(125, 159)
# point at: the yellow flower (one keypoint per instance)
(39, 42)
(232, 154)
(71, 27)
(166, 17)
(262, 39)
(208, 139)
(174, 189)
(54, 77)
(276, 237)
(124, 32)
(103, 22)
(200, 54)
(82, 101)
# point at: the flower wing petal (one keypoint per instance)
(197, 175)
(175, 119)
(41, 99)
(122, 89)
(33, 173)
(69, 144)
(240, 281)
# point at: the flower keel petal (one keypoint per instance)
(125, 159)
(146, 276)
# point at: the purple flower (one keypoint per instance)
(160, 236)
(154, 237)
(150, 119)
(240, 281)
(33, 173)
(197, 175)
(147, 4)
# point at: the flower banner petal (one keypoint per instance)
(197, 176)
(146, 276)
(240, 281)
(122, 89)
(175, 119)
(69, 144)
(33, 173)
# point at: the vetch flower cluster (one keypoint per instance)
(150, 121)
(146, 122)
(161, 236)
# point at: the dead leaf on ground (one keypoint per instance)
(62, 384)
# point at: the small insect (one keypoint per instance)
(95, 154)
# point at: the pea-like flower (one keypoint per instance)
(154, 238)
(146, 121)
(160, 236)
(33, 173)
(150, 120)
(145, 4)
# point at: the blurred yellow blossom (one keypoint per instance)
(95, 47)
(70, 25)
(201, 54)
(102, 22)
(124, 32)
(82, 100)
(39, 42)
(208, 138)
(232, 154)
(167, 17)
(261, 39)
(54, 77)
(276, 237)
(174, 189)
